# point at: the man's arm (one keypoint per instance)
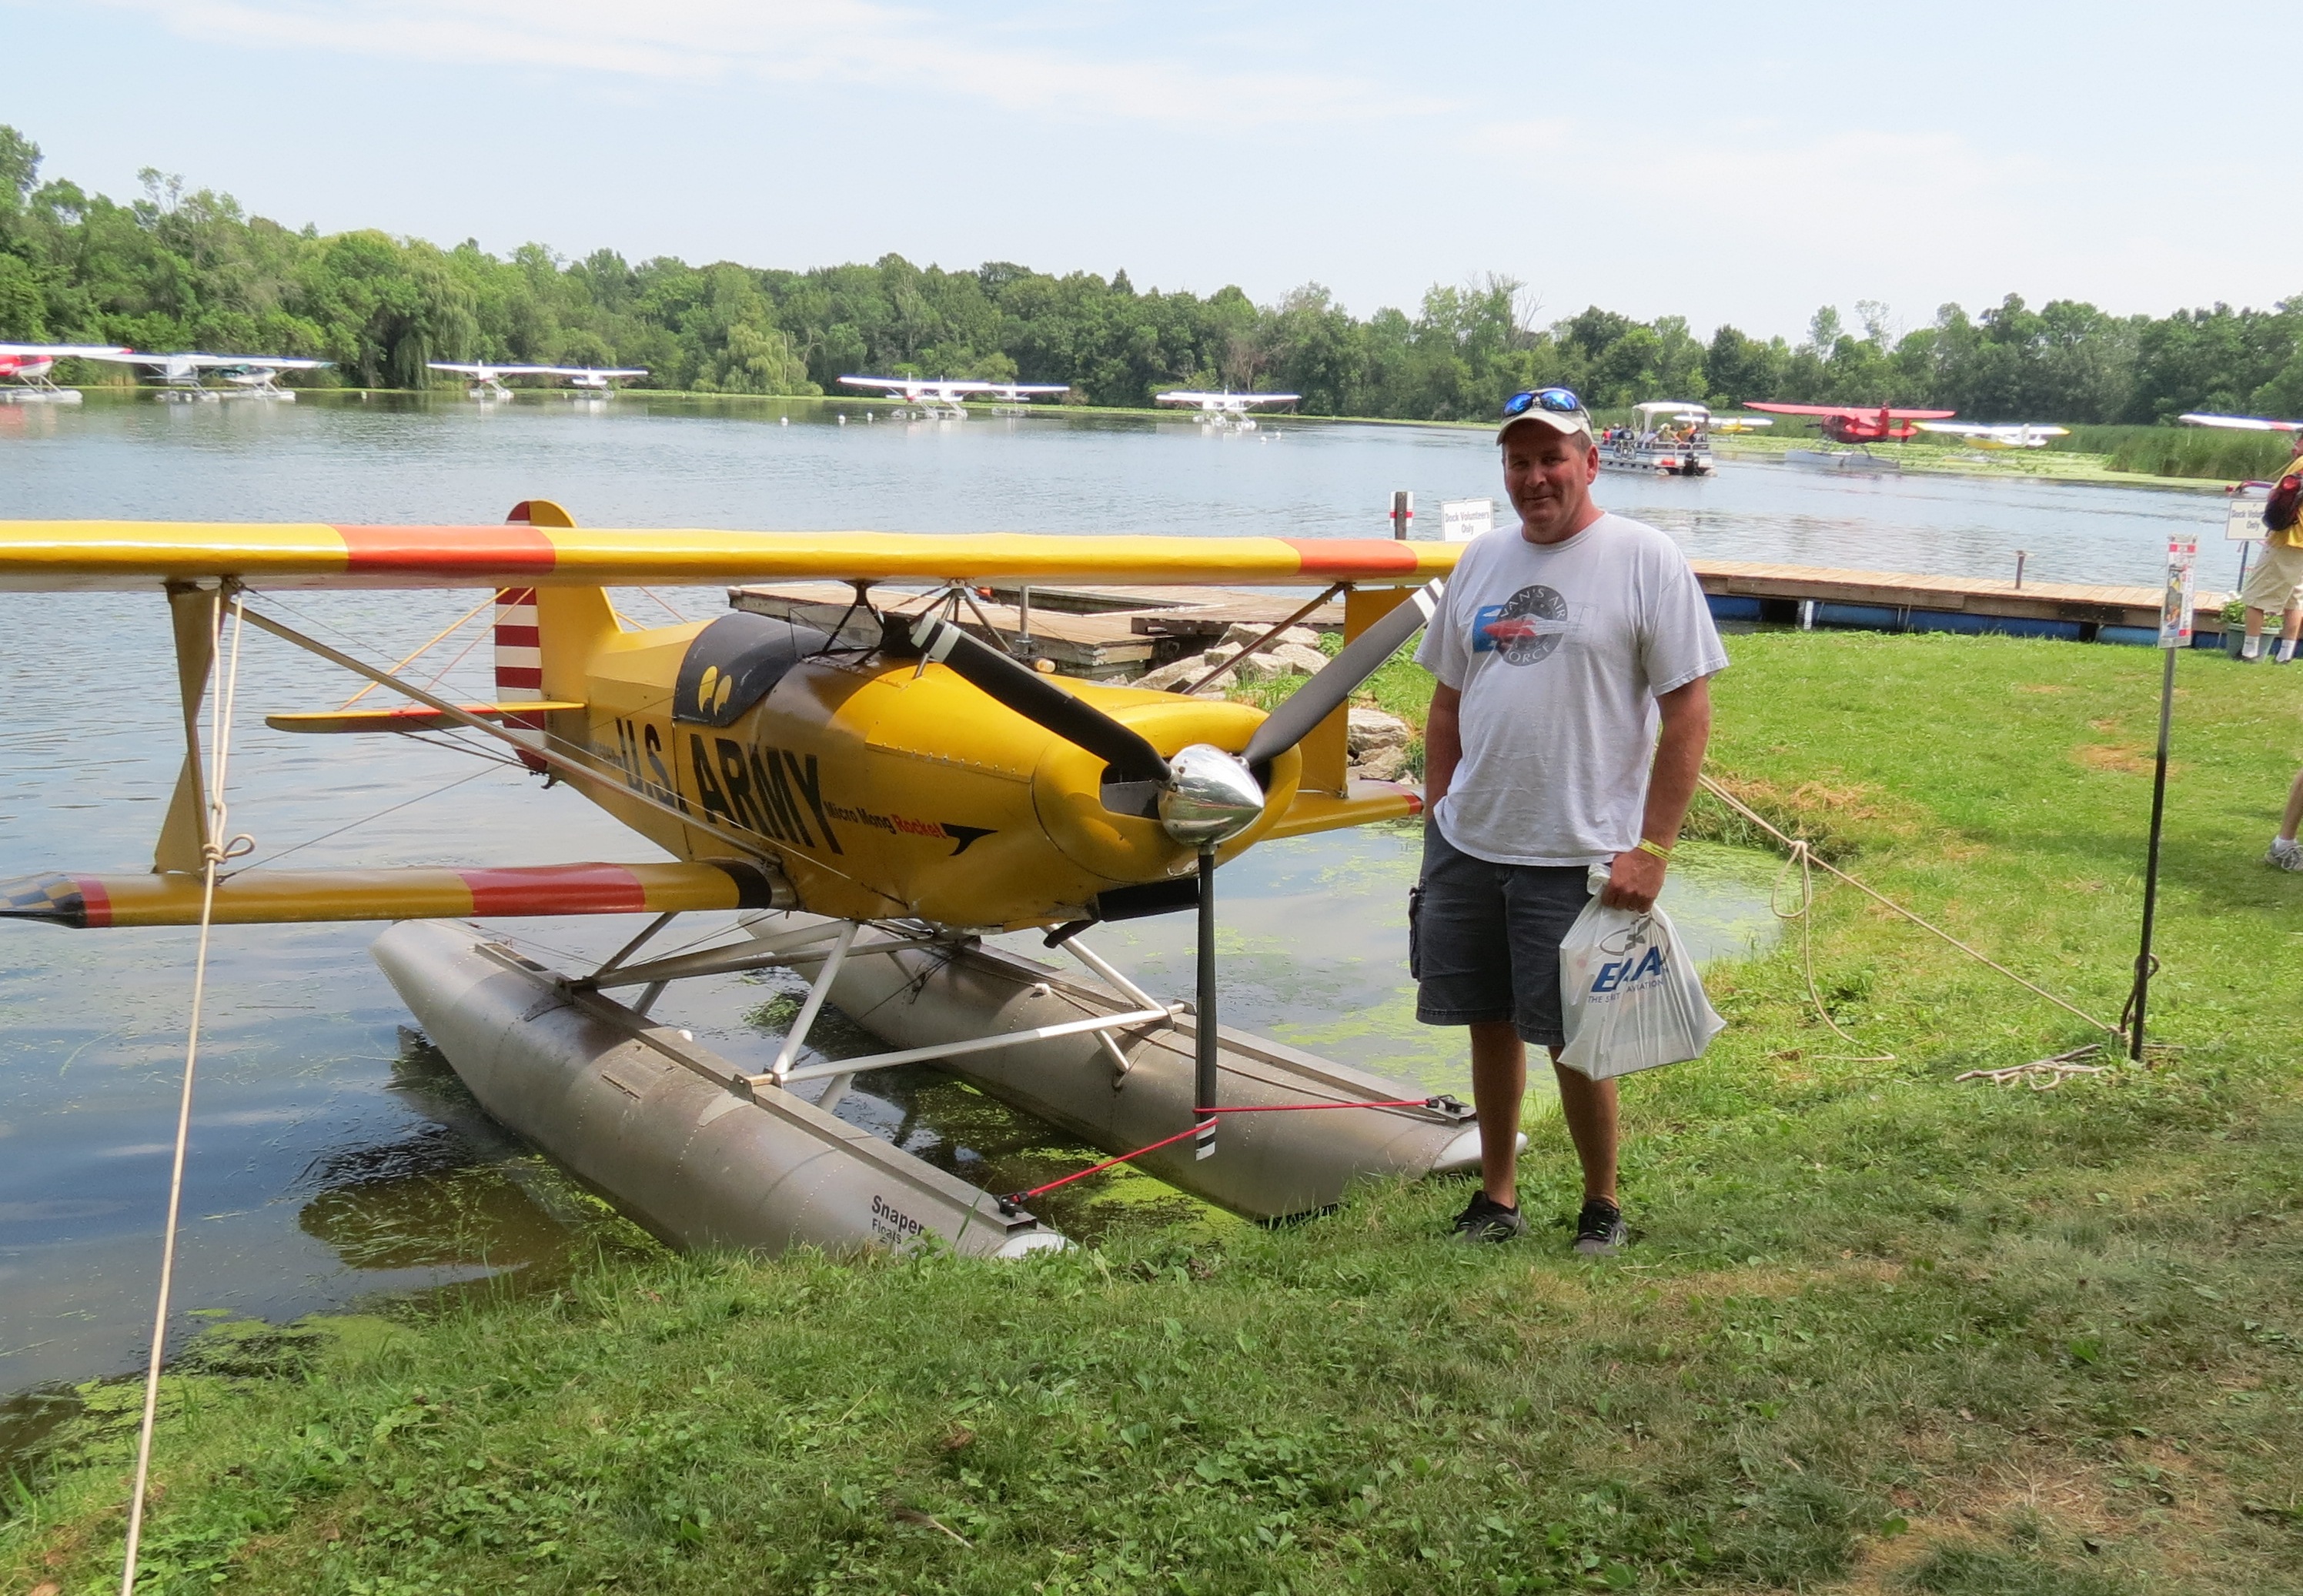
(1443, 744)
(1638, 874)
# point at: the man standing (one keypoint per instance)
(1560, 647)
(2277, 578)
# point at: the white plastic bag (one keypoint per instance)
(1632, 994)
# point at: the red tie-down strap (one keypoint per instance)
(1014, 1200)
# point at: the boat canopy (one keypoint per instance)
(1678, 410)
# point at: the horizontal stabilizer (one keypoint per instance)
(269, 897)
(1369, 801)
(406, 718)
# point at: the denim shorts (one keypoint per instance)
(1483, 939)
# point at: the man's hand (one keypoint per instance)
(1633, 882)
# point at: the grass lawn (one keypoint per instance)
(1879, 1332)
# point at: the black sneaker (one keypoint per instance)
(1484, 1219)
(1599, 1231)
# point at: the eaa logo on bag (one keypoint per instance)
(1638, 956)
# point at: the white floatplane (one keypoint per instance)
(2245, 423)
(1999, 435)
(28, 366)
(1671, 437)
(1225, 409)
(250, 376)
(942, 396)
(487, 377)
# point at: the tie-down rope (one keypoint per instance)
(1804, 856)
(214, 853)
(1016, 1200)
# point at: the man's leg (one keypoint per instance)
(1589, 1107)
(2285, 851)
(1498, 1082)
(2289, 624)
(2253, 644)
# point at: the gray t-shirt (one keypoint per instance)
(1560, 650)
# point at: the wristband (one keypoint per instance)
(1648, 847)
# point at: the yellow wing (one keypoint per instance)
(132, 554)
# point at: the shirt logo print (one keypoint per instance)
(1524, 628)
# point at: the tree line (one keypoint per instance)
(179, 268)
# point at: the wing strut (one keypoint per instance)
(196, 613)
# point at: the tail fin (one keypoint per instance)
(545, 638)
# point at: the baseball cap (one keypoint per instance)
(1557, 408)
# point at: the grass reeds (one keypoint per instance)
(2208, 452)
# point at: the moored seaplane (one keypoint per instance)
(487, 378)
(1224, 408)
(249, 376)
(2024, 435)
(27, 365)
(873, 788)
(1858, 424)
(942, 396)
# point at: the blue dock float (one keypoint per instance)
(1822, 596)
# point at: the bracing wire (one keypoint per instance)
(378, 815)
(428, 644)
(215, 851)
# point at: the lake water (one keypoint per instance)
(332, 1156)
(639, 462)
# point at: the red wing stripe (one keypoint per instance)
(1353, 557)
(97, 902)
(556, 889)
(445, 551)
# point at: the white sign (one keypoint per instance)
(2175, 608)
(1463, 519)
(2243, 520)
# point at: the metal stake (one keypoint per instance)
(1203, 1016)
(2143, 960)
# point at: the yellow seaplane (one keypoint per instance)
(876, 788)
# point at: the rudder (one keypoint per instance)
(544, 639)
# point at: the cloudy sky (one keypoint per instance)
(1736, 163)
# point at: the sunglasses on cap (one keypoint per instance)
(1561, 401)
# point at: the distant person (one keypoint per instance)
(2276, 582)
(1560, 646)
(2286, 853)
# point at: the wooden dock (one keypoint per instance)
(1117, 634)
(1101, 634)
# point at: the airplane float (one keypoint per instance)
(1857, 424)
(872, 789)
(2023, 435)
(942, 396)
(28, 366)
(1224, 408)
(251, 376)
(487, 378)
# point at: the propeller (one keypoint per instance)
(1205, 795)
